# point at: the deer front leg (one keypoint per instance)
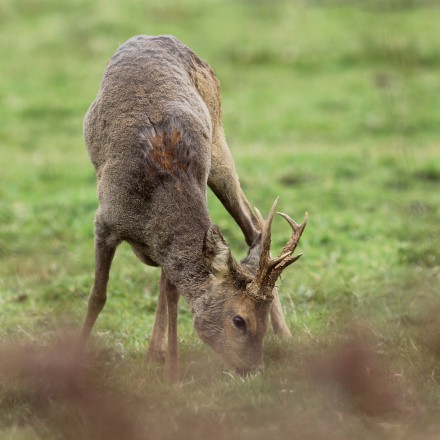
(224, 182)
(277, 319)
(156, 349)
(172, 361)
(104, 254)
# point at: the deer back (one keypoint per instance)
(149, 135)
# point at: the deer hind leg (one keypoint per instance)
(172, 299)
(104, 253)
(224, 182)
(156, 349)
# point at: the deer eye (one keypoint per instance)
(239, 322)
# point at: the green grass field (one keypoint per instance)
(333, 106)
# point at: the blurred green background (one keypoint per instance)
(332, 105)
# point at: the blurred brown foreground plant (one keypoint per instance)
(341, 387)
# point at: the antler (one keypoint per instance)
(270, 268)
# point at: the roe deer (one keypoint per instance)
(155, 137)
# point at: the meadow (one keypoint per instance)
(331, 105)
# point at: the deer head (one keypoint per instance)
(233, 317)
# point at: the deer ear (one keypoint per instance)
(252, 259)
(216, 252)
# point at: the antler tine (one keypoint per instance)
(260, 218)
(297, 232)
(268, 222)
(286, 262)
(270, 268)
(266, 234)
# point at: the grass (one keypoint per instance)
(331, 105)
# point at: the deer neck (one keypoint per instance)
(185, 265)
